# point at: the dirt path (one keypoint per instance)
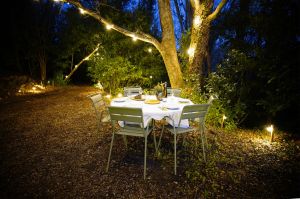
(49, 148)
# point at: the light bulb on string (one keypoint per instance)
(197, 21)
(191, 51)
(108, 26)
(82, 11)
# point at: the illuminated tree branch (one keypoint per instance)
(214, 15)
(135, 35)
(77, 65)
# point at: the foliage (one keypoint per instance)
(114, 73)
(253, 35)
(232, 85)
(59, 79)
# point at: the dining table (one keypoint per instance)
(169, 108)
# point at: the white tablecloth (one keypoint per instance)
(158, 111)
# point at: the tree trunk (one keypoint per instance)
(43, 65)
(168, 45)
(199, 41)
(200, 34)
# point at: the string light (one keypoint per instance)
(197, 21)
(150, 50)
(56, 0)
(108, 96)
(134, 38)
(191, 51)
(82, 11)
(120, 95)
(108, 26)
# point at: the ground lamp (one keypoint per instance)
(271, 129)
(223, 119)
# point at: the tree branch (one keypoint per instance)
(179, 15)
(214, 15)
(138, 35)
(77, 65)
(194, 4)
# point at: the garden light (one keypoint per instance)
(223, 119)
(108, 96)
(120, 95)
(150, 50)
(270, 129)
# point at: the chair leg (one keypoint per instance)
(145, 158)
(111, 144)
(98, 126)
(203, 147)
(99, 122)
(162, 131)
(203, 127)
(175, 158)
(159, 140)
(155, 145)
(125, 140)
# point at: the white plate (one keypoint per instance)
(119, 100)
(172, 107)
(183, 101)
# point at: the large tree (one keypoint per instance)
(200, 31)
(203, 16)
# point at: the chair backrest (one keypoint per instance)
(97, 101)
(176, 91)
(126, 114)
(99, 107)
(132, 91)
(194, 111)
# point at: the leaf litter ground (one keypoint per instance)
(50, 148)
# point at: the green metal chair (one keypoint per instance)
(133, 126)
(100, 109)
(195, 112)
(128, 91)
(175, 91)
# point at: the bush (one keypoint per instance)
(115, 73)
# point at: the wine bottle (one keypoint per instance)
(165, 90)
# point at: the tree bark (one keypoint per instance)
(168, 44)
(200, 34)
(42, 59)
